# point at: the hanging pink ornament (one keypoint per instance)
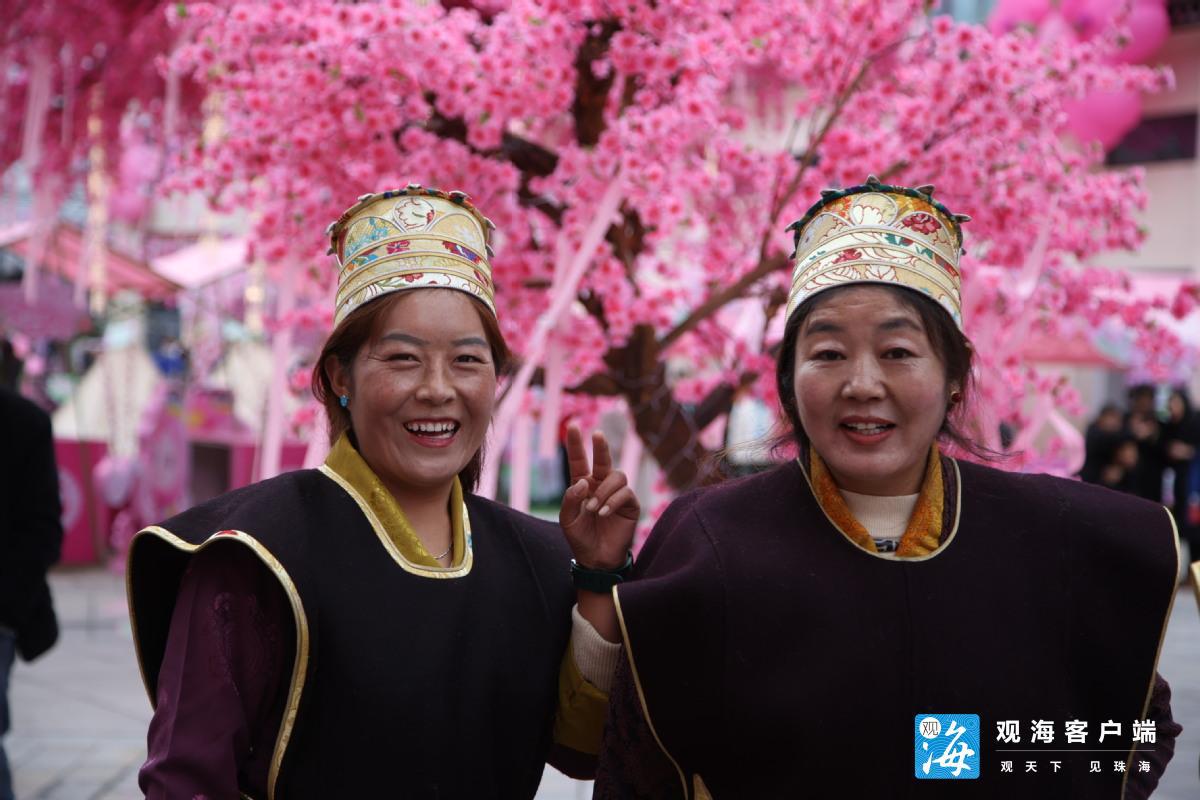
(1089, 17)
(130, 197)
(115, 477)
(1149, 27)
(1103, 117)
(1008, 15)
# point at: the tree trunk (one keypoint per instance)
(669, 431)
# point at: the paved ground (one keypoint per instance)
(80, 713)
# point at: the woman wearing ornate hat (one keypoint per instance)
(790, 631)
(372, 628)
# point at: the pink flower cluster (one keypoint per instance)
(721, 121)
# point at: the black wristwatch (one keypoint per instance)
(600, 581)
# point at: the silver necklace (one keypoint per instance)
(443, 555)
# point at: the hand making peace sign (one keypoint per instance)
(599, 510)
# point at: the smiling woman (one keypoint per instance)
(785, 630)
(372, 628)
(865, 385)
(380, 322)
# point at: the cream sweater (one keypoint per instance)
(883, 517)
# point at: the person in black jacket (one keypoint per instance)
(1181, 438)
(30, 541)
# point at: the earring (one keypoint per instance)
(344, 401)
(955, 397)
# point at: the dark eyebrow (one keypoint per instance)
(822, 326)
(893, 324)
(403, 337)
(896, 323)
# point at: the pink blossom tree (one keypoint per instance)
(72, 72)
(641, 160)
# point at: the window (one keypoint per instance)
(1183, 12)
(1169, 138)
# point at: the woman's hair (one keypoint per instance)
(356, 330)
(950, 344)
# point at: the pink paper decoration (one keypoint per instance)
(1149, 27)
(1104, 117)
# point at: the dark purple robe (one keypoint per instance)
(395, 681)
(768, 656)
(222, 685)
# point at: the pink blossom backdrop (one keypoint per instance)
(641, 161)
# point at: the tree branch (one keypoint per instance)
(532, 159)
(601, 384)
(718, 300)
(591, 93)
(628, 239)
(768, 264)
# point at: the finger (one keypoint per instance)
(572, 502)
(601, 456)
(601, 494)
(577, 458)
(623, 503)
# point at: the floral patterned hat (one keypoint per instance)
(411, 238)
(875, 233)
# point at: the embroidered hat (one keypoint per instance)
(875, 233)
(411, 238)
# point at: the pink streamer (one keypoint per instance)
(171, 102)
(552, 400)
(36, 107)
(47, 192)
(318, 441)
(521, 462)
(70, 77)
(1074, 446)
(631, 451)
(270, 454)
(563, 296)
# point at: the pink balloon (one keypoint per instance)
(1011, 14)
(115, 477)
(1149, 27)
(1056, 29)
(1104, 117)
(1090, 17)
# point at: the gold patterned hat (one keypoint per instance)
(411, 238)
(875, 233)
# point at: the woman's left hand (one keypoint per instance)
(599, 511)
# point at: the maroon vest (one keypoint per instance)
(774, 656)
(412, 687)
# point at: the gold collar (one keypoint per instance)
(347, 468)
(922, 537)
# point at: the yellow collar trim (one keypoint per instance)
(924, 532)
(347, 468)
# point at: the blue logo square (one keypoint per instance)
(946, 746)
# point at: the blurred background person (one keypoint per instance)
(1101, 440)
(30, 541)
(1180, 437)
(1141, 422)
(1120, 472)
